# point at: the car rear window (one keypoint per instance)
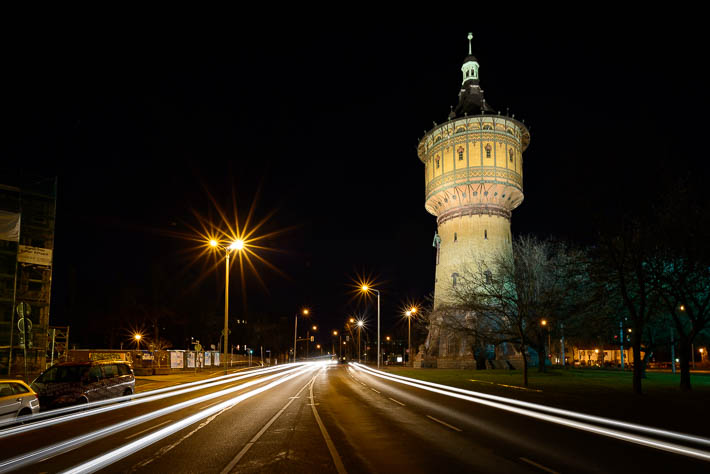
(110, 370)
(19, 388)
(63, 374)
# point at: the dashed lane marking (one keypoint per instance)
(376, 391)
(444, 423)
(397, 401)
(539, 466)
(147, 429)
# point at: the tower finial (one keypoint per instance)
(470, 37)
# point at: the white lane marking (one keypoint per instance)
(444, 423)
(641, 440)
(147, 429)
(539, 466)
(207, 406)
(397, 401)
(240, 455)
(374, 390)
(328, 441)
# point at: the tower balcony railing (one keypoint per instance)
(467, 175)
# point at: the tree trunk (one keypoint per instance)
(541, 358)
(525, 366)
(638, 366)
(684, 356)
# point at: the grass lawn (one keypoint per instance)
(594, 391)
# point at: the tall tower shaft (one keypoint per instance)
(474, 180)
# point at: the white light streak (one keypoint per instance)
(642, 440)
(131, 400)
(72, 443)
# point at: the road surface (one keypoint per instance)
(320, 418)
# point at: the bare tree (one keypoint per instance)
(510, 296)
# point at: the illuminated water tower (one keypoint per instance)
(474, 179)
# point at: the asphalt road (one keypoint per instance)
(323, 419)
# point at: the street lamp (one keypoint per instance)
(236, 245)
(360, 324)
(409, 315)
(308, 339)
(543, 323)
(366, 289)
(137, 337)
(305, 312)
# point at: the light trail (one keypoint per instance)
(637, 439)
(559, 411)
(133, 400)
(126, 450)
(73, 443)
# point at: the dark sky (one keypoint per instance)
(141, 123)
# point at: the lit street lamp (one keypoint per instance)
(366, 289)
(360, 324)
(137, 337)
(409, 315)
(236, 245)
(305, 312)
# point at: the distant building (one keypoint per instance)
(473, 166)
(27, 216)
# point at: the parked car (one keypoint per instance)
(16, 399)
(75, 383)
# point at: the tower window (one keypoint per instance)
(489, 276)
(456, 237)
(460, 154)
(454, 277)
(485, 234)
(437, 162)
(510, 152)
(488, 151)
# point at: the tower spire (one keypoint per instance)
(470, 37)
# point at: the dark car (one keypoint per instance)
(75, 383)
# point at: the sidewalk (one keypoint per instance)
(145, 383)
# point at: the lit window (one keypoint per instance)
(488, 151)
(460, 154)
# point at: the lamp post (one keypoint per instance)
(308, 339)
(366, 289)
(305, 312)
(237, 245)
(549, 346)
(360, 324)
(138, 337)
(409, 315)
(335, 333)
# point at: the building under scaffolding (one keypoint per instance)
(27, 217)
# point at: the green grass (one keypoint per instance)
(595, 391)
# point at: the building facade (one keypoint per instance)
(27, 218)
(473, 168)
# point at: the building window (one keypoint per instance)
(454, 278)
(488, 151)
(485, 234)
(511, 154)
(489, 276)
(437, 162)
(456, 237)
(460, 154)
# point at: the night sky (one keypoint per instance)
(141, 124)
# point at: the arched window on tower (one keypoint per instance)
(510, 152)
(489, 277)
(485, 234)
(456, 237)
(488, 151)
(437, 162)
(454, 278)
(460, 150)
